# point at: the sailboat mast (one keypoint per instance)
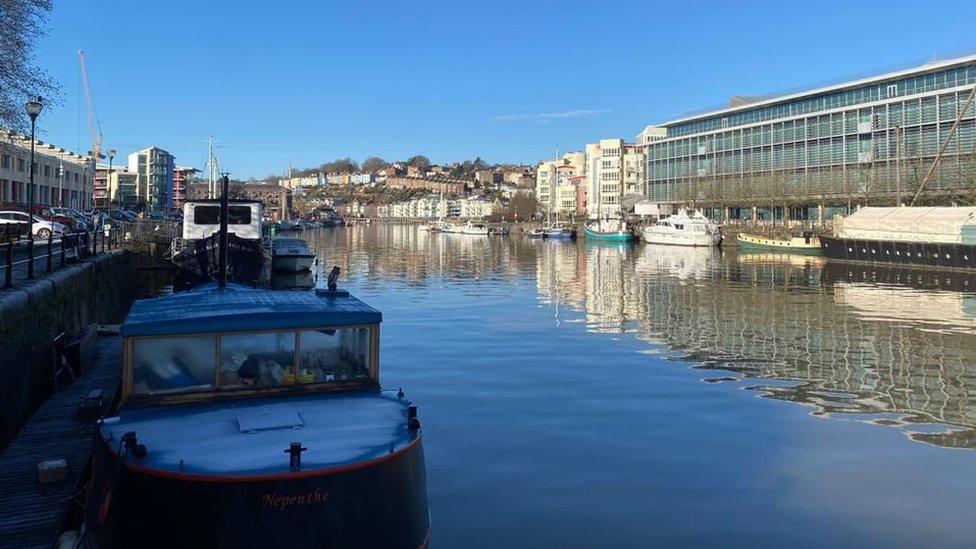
(213, 168)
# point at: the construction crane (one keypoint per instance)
(93, 126)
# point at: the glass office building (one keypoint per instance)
(868, 141)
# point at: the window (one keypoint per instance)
(173, 365)
(892, 90)
(334, 355)
(47, 171)
(5, 161)
(259, 360)
(210, 215)
(21, 165)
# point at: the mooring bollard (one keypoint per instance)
(50, 244)
(9, 267)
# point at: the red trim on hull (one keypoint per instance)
(197, 477)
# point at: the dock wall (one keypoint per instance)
(32, 315)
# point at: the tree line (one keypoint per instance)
(374, 164)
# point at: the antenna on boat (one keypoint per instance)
(222, 243)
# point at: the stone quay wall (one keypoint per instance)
(32, 315)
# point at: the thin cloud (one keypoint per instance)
(546, 117)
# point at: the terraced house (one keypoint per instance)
(809, 155)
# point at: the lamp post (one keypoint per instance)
(108, 180)
(34, 107)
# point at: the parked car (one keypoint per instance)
(42, 227)
(82, 222)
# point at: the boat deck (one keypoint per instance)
(248, 437)
(30, 513)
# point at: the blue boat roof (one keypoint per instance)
(207, 309)
(248, 437)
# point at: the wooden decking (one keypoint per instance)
(30, 514)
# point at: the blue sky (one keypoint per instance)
(307, 82)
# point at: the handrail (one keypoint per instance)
(83, 244)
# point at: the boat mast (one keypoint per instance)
(222, 243)
(213, 169)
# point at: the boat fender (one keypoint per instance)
(132, 446)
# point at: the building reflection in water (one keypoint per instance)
(894, 347)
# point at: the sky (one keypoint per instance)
(302, 83)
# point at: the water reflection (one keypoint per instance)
(890, 347)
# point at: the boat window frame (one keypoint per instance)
(216, 392)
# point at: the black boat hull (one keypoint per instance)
(945, 256)
(247, 261)
(378, 503)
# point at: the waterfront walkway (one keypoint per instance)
(30, 513)
(48, 256)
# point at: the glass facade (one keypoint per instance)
(863, 144)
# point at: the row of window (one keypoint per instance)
(908, 113)
(874, 180)
(273, 359)
(905, 144)
(15, 192)
(7, 162)
(910, 85)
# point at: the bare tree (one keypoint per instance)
(21, 25)
(373, 164)
(419, 161)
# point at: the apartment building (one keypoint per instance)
(61, 177)
(153, 168)
(548, 172)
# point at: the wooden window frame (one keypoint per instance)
(216, 392)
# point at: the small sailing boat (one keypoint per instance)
(615, 230)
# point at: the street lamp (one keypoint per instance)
(34, 107)
(108, 180)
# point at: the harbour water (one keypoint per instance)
(576, 394)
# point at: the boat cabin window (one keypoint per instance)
(229, 361)
(210, 215)
(334, 355)
(173, 364)
(257, 360)
(679, 226)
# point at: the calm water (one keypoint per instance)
(587, 395)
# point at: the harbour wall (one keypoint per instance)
(31, 317)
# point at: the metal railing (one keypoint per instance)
(74, 246)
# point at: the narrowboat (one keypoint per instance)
(942, 237)
(809, 243)
(255, 418)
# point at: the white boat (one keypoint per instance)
(475, 228)
(291, 255)
(454, 228)
(685, 228)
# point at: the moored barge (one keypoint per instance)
(255, 418)
(943, 237)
